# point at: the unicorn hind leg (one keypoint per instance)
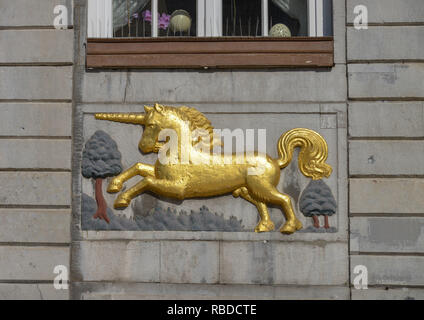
(265, 224)
(267, 192)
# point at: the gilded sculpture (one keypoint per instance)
(252, 176)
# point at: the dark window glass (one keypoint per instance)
(288, 14)
(242, 18)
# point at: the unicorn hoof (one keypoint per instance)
(240, 192)
(122, 202)
(114, 186)
(265, 226)
(291, 227)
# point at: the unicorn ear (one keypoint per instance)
(147, 109)
(158, 107)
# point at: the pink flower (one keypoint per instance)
(147, 15)
(163, 19)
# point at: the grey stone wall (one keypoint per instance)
(169, 264)
(35, 148)
(47, 97)
(386, 149)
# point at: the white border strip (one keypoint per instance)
(319, 18)
(201, 7)
(265, 26)
(312, 18)
(155, 18)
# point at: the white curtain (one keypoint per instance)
(295, 9)
(124, 8)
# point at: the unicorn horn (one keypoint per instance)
(121, 117)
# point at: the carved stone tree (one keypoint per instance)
(318, 200)
(101, 159)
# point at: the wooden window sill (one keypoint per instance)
(221, 52)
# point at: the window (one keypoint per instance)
(209, 33)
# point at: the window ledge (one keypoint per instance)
(185, 52)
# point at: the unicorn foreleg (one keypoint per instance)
(265, 224)
(161, 187)
(124, 199)
(138, 169)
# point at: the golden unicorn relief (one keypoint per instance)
(208, 177)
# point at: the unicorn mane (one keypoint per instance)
(196, 120)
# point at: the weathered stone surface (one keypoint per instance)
(386, 43)
(118, 260)
(35, 119)
(36, 46)
(217, 107)
(35, 154)
(386, 119)
(128, 136)
(387, 11)
(384, 234)
(31, 263)
(42, 291)
(36, 83)
(386, 196)
(189, 262)
(386, 80)
(93, 235)
(35, 188)
(386, 157)
(339, 31)
(34, 225)
(388, 294)
(284, 263)
(216, 86)
(31, 13)
(391, 270)
(156, 291)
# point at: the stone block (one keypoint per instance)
(29, 13)
(35, 188)
(148, 291)
(386, 234)
(269, 263)
(388, 294)
(31, 263)
(217, 86)
(31, 291)
(35, 225)
(388, 11)
(189, 261)
(378, 81)
(36, 46)
(36, 119)
(36, 83)
(386, 43)
(129, 261)
(35, 154)
(386, 157)
(386, 119)
(390, 270)
(400, 196)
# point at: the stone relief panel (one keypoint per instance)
(315, 202)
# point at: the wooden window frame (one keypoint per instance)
(205, 52)
(210, 52)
